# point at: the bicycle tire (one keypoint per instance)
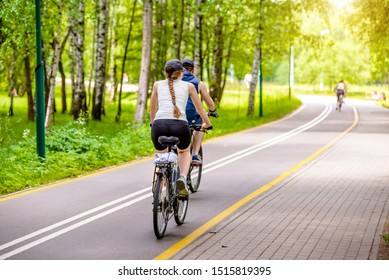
(340, 103)
(195, 172)
(161, 205)
(180, 209)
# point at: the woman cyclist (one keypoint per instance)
(170, 97)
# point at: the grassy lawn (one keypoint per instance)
(76, 148)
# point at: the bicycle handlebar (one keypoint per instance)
(198, 127)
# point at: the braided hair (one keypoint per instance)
(172, 75)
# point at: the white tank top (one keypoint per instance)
(165, 104)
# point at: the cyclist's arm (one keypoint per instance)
(153, 102)
(206, 97)
(199, 107)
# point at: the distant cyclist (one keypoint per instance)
(340, 90)
(191, 113)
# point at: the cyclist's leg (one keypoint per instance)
(184, 160)
(198, 136)
(181, 130)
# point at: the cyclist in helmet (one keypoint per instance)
(191, 113)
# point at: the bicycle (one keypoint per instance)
(340, 102)
(195, 170)
(166, 203)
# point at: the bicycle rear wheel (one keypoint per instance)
(194, 176)
(161, 205)
(340, 102)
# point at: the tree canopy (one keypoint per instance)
(219, 35)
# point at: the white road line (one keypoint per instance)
(77, 225)
(209, 167)
(71, 219)
(238, 155)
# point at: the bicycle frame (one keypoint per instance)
(165, 197)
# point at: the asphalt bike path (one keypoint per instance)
(107, 215)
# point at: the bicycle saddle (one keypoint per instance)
(168, 140)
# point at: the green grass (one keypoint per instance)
(76, 148)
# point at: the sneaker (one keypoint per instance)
(196, 160)
(164, 157)
(182, 189)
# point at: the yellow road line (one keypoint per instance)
(201, 230)
(58, 183)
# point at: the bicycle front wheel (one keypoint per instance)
(194, 176)
(180, 209)
(161, 206)
(340, 103)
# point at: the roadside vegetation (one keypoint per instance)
(75, 148)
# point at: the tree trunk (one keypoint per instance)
(187, 31)
(30, 98)
(54, 68)
(228, 56)
(124, 61)
(178, 24)
(77, 37)
(92, 60)
(12, 83)
(62, 73)
(254, 75)
(101, 59)
(63, 87)
(256, 61)
(146, 61)
(112, 55)
(218, 61)
(198, 40)
(160, 41)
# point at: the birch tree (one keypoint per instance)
(77, 31)
(178, 26)
(146, 61)
(30, 98)
(254, 73)
(12, 83)
(101, 59)
(198, 40)
(119, 112)
(52, 74)
(217, 65)
(160, 39)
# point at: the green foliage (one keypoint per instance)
(76, 148)
(71, 150)
(385, 237)
(369, 21)
(73, 138)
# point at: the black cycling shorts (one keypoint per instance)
(170, 127)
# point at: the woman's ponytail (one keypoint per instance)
(173, 75)
(176, 110)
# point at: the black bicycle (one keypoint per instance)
(166, 203)
(195, 170)
(340, 102)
